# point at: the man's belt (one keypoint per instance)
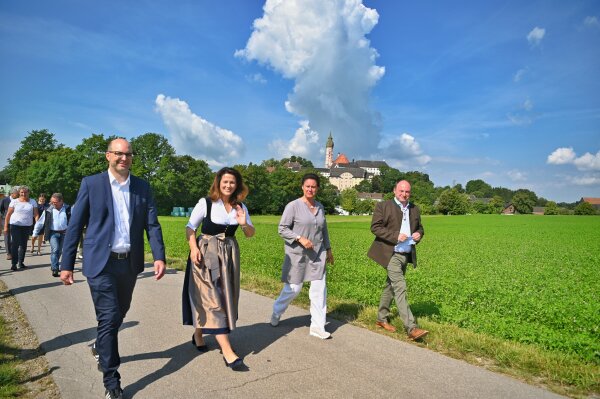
(117, 255)
(58, 231)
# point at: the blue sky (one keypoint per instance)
(504, 91)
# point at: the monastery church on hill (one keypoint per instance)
(345, 174)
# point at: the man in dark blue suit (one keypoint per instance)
(117, 208)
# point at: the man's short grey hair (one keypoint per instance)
(14, 190)
(58, 196)
(25, 188)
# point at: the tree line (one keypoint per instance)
(47, 166)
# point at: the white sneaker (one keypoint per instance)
(315, 332)
(275, 320)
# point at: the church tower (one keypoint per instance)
(329, 152)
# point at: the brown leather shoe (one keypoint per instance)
(386, 326)
(8, 256)
(417, 333)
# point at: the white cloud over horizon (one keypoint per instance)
(322, 47)
(195, 136)
(402, 152)
(305, 143)
(535, 36)
(566, 155)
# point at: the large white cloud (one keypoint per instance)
(321, 45)
(192, 135)
(535, 36)
(566, 155)
(403, 152)
(561, 156)
(305, 143)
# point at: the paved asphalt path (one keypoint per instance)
(159, 361)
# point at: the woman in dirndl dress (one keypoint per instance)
(212, 279)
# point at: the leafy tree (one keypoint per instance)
(505, 193)
(91, 154)
(364, 186)
(458, 187)
(365, 207)
(423, 192)
(585, 208)
(480, 207)
(551, 208)
(54, 173)
(349, 200)
(285, 187)
(524, 201)
(453, 202)
(180, 181)
(37, 145)
(149, 149)
(479, 188)
(389, 176)
(302, 161)
(496, 204)
(376, 185)
(257, 180)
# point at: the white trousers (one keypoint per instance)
(318, 301)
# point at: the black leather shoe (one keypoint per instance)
(55, 273)
(22, 266)
(201, 348)
(13, 267)
(236, 365)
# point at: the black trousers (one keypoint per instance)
(19, 237)
(111, 293)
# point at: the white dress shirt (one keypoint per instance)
(404, 246)
(59, 218)
(218, 214)
(121, 203)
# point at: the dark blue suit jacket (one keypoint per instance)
(94, 208)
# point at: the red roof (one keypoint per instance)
(591, 200)
(341, 159)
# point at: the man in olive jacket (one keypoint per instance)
(397, 227)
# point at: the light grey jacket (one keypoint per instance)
(301, 264)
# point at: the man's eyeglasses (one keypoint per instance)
(119, 154)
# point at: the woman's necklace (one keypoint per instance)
(308, 204)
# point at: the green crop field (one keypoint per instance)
(533, 280)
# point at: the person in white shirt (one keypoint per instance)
(212, 280)
(22, 212)
(53, 225)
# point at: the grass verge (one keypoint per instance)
(10, 376)
(24, 371)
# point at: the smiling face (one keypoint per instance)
(402, 191)
(310, 188)
(24, 193)
(227, 185)
(119, 157)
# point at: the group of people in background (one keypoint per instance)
(23, 217)
(116, 208)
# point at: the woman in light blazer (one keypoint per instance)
(307, 250)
